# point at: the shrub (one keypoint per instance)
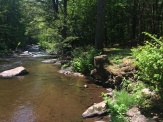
(150, 61)
(3, 46)
(83, 59)
(130, 95)
(117, 107)
(121, 102)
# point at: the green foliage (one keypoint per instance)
(3, 46)
(41, 24)
(150, 61)
(121, 103)
(83, 59)
(132, 87)
(82, 21)
(53, 33)
(135, 88)
(5, 52)
(11, 27)
(65, 66)
(123, 100)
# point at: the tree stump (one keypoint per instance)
(100, 72)
(99, 61)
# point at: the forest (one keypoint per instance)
(56, 24)
(83, 29)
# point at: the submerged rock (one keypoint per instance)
(78, 74)
(69, 71)
(50, 61)
(26, 53)
(65, 72)
(13, 72)
(96, 109)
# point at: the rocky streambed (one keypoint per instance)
(44, 94)
(107, 76)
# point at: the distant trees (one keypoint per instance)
(126, 20)
(69, 23)
(11, 28)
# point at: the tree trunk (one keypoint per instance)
(64, 33)
(55, 7)
(65, 7)
(100, 25)
(134, 18)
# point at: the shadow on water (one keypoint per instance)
(45, 96)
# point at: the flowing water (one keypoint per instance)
(44, 95)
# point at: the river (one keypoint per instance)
(44, 95)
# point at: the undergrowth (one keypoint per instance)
(150, 62)
(83, 59)
(123, 100)
(116, 55)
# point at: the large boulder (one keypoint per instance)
(96, 109)
(13, 72)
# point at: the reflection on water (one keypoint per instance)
(24, 113)
(45, 96)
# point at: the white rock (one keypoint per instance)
(148, 92)
(85, 86)
(13, 72)
(96, 109)
(50, 61)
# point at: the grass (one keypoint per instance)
(116, 55)
(118, 58)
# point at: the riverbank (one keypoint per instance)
(122, 64)
(122, 69)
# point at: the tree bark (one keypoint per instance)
(65, 7)
(99, 36)
(55, 7)
(64, 30)
(134, 18)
